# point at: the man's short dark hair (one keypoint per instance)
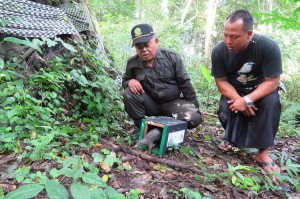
(245, 15)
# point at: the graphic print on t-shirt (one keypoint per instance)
(243, 73)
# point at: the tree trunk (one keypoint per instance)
(270, 28)
(185, 11)
(164, 7)
(139, 9)
(210, 20)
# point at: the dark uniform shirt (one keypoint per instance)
(165, 81)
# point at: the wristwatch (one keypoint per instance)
(249, 102)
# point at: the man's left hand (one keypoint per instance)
(239, 105)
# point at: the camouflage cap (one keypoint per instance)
(141, 33)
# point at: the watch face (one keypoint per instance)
(249, 104)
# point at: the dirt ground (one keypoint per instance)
(196, 165)
(155, 180)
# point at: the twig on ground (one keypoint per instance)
(7, 159)
(150, 158)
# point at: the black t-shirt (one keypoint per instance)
(261, 58)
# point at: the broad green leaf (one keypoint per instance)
(207, 138)
(3, 22)
(248, 181)
(91, 105)
(98, 194)
(93, 179)
(298, 187)
(37, 42)
(12, 113)
(134, 194)
(83, 79)
(23, 42)
(9, 100)
(105, 151)
(110, 160)
(206, 73)
(69, 47)
(56, 190)
(25, 191)
(77, 168)
(190, 193)
(235, 181)
(55, 173)
(21, 173)
(111, 193)
(88, 120)
(97, 157)
(80, 191)
(53, 94)
(240, 176)
(89, 92)
(1, 192)
(50, 43)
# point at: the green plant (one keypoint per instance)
(292, 170)
(84, 183)
(238, 177)
(44, 97)
(35, 43)
(25, 192)
(192, 194)
(288, 119)
(187, 150)
(133, 194)
(207, 92)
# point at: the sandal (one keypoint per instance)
(269, 167)
(226, 146)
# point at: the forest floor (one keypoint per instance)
(198, 165)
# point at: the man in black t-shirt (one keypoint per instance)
(247, 67)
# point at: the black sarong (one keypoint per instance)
(255, 131)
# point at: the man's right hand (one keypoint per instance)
(135, 87)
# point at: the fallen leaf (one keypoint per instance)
(105, 178)
(19, 147)
(208, 160)
(163, 193)
(126, 166)
(170, 175)
(141, 180)
(105, 167)
(140, 190)
(211, 188)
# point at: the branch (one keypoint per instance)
(150, 158)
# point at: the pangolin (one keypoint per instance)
(149, 139)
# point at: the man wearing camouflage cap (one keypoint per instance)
(156, 82)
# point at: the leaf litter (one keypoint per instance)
(162, 177)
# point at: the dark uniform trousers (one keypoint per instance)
(139, 106)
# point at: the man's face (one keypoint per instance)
(147, 51)
(235, 38)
